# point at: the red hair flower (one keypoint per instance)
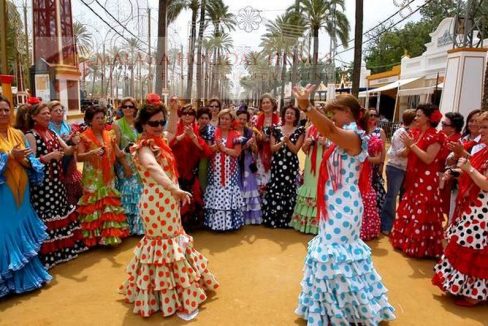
(32, 100)
(436, 116)
(153, 98)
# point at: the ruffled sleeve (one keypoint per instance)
(434, 137)
(3, 166)
(145, 143)
(36, 170)
(363, 154)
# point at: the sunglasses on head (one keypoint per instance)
(128, 106)
(156, 123)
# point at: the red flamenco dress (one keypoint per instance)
(188, 157)
(102, 217)
(371, 223)
(417, 230)
(166, 273)
(263, 175)
(463, 268)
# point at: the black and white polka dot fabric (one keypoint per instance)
(49, 200)
(279, 201)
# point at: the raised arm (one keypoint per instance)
(345, 139)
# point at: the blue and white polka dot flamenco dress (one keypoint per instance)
(340, 285)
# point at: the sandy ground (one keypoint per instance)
(259, 270)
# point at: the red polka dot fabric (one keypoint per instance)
(166, 273)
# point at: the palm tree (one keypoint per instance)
(201, 29)
(323, 14)
(218, 44)
(222, 21)
(133, 44)
(358, 45)
(83, 40)
(281, 38)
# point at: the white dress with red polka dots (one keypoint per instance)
(166, 273)
(463, 268)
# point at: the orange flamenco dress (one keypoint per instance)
(166, 273)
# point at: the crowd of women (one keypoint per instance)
(220, 169)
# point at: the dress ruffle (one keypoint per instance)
(340, 286)
(223, 213)
(102, 218)
(167, 275)
(65, 240)
(304, 217)
(417, 230)
(130, 192)
(20, 267)
(252, 207)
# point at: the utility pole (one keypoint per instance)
(162, 56)
(149, 80)
(358, 47)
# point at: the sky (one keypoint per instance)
(133, 14)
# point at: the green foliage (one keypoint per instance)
(16, 40)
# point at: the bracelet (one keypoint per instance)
(412, 145)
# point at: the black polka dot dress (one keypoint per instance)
(463, 268)
(279, 201)
(49, 200)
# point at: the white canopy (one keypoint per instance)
(419, 90)
(396, 84)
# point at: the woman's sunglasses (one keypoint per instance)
(156, 123)
(127, 106)
(187, 113)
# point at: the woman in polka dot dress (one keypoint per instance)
(281, 194)
(371, 224)
(166, 273)
(417, 230)
(49, 198)
(304, 217)
(463, 269)
(223, 199)
(340, 285)
(377, 176)
(102, 217)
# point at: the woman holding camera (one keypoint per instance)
(128, 181)
(103, 221)
(266, 121)
(280, 197)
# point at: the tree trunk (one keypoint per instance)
(191, 54)
(275, 80)
(199, 51)
(161, 55)
(358, 44)
(315, 60)
(283, 81)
